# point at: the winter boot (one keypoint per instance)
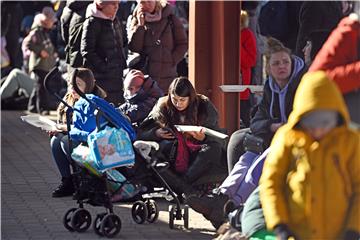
(66, 188)
(210, 206)
(177, 184)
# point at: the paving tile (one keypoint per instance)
(29, 175)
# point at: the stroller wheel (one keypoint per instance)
(172, 213)
(186, 217)
(139, 212)
(153, 211)
(67, 219)
(81, 220)
(110, 225)
(97, 223)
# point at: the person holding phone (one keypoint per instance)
(156, 32)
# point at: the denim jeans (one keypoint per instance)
(61, 154)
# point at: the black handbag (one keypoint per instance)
(253, 144)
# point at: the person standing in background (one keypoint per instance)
(314, 16)
(42, 58)
(247, 62)
(102, 48)
(340, 59)
(154, 31)
(140, 94)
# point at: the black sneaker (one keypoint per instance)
(207, 203)
(65, 189)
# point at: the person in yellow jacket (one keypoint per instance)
(310, 185)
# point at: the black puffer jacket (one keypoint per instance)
(102, 51)
(71, 18)
(265, 116)
(315, 15)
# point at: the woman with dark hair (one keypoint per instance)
(59, 142)
(196, 153)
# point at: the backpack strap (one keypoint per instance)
(169, 23)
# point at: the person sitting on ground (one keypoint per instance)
(285, 71)
(196, 153)
(59, 141)
(310, 186)
(16, 82)
(140, 94)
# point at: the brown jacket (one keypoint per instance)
(163, 57)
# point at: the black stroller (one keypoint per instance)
(94, 190)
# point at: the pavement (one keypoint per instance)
(29, 175)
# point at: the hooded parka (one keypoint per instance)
(102, 51)
(313, 186)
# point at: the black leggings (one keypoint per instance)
(235, 147)
(209, 155)
(39, 99)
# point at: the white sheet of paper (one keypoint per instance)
(39, 121)
(207, 131)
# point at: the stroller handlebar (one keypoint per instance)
(54, 73)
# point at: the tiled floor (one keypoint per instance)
(28, 175)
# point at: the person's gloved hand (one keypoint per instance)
(351, 235)
(283, 232)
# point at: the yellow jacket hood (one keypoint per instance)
(317, 92)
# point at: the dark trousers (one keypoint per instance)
(235, 147)
(245, 109)
(39, 99)
(208, 156)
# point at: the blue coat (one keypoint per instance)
(84, 118)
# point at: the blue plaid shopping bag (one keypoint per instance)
(111, 148)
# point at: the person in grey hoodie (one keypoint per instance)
(42, 58)
(285, 72)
